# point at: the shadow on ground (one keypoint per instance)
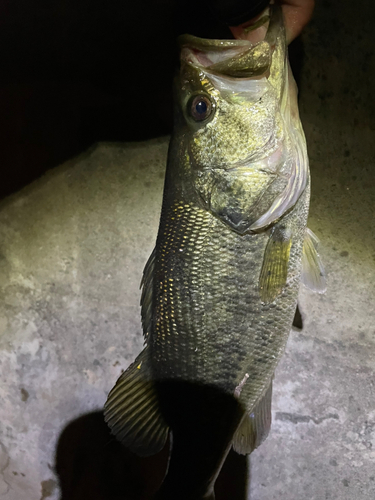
(92, 465)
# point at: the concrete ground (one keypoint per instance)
(72, 248)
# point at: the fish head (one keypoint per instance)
(229, 120)
(234, 123)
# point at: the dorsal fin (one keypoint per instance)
(132, 410)
(147, 292)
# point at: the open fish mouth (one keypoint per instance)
(233, 58)
(239, 60)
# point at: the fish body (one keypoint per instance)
(220, 288)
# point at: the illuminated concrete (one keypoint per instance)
(73, 246)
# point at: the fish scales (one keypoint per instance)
(211, 301)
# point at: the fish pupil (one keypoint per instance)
(201, 107)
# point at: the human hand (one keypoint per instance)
(297, 13)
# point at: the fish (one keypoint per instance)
(219, 291)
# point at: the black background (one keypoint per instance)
(74, 72)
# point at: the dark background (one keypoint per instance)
(74, 72)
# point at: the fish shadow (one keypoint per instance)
(92, 465)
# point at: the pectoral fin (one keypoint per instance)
(275, 264)
(312, 275)
(132, 410)
(255, 427)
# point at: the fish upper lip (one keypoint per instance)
(216, 53)
(192, 41)
(199, 57)
(213, 61)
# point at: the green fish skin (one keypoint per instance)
(220, 289)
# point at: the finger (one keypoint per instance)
(253, 36)
(297, 13)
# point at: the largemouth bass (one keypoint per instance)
(220, 288)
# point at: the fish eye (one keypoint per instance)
(200, 107)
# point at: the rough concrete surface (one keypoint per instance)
(72, 249)
(73, 246)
